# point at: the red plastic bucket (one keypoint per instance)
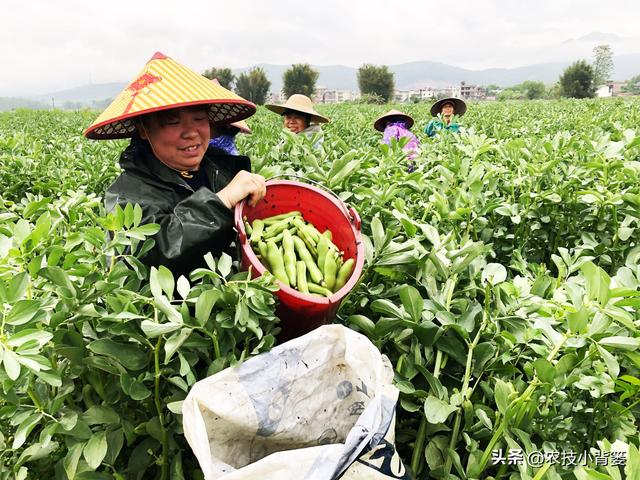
(300, 313)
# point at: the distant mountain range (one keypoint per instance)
(407, 76)
(440, 75)
(84, 94)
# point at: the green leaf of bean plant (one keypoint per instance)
(436, 410)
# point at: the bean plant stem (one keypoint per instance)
(437, 366)
(629, 407)
(616, 227)
(34, 399)
(540, 474)
(164, 463)
(534, 383)
(216, 345)
(597, 416)
(521, 400)
(464, 391)
(418, 448)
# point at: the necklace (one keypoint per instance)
(185, 174)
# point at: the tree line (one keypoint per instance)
(376, 82)
(377, 85)
(579, 80)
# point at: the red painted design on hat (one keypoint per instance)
(158, 56)
(140, 83)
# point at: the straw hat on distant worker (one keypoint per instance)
(397, 125)
(392, 116)
(459, 107)
(300, 117)
(298, 103)
(447, 110)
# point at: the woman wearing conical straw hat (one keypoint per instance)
(168, 169)
(300, 117)
(446, 110)
(396, 124)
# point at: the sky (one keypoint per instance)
(52, 45)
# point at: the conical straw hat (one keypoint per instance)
(379, 124)
(459, 107)
(163, 84)
(241, 124)
(298, 103)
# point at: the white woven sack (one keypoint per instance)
(319, 407)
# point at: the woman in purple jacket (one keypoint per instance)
(396, 124)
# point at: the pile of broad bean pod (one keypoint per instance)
(298, 255)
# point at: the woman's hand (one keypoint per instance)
(243, 185)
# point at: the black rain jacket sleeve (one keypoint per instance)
(192, 223)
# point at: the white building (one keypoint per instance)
(604, 91)
(422, 94)
(321, 95)
(326, 95)
(453, 91)
(276, 97)
(611, 89)
(472, 92)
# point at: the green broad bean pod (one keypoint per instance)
(276, 262)
(298, 255)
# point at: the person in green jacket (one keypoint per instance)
(181, 183)
(444, 111)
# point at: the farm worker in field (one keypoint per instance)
(445, 110)
(223, 137)
(300, 118)
(182, 184)
(396, 124)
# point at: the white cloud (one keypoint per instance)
(48, 45)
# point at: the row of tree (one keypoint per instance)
(377, 85)
(579, 80)
(254, 84)
(374, 81)
(576, 82)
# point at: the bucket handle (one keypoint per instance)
(350, 213)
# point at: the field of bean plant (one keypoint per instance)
(502, 280)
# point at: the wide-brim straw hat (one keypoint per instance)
(298, 103)
(381, 122)
(240, 125)
(163, 84)
(459, 107)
